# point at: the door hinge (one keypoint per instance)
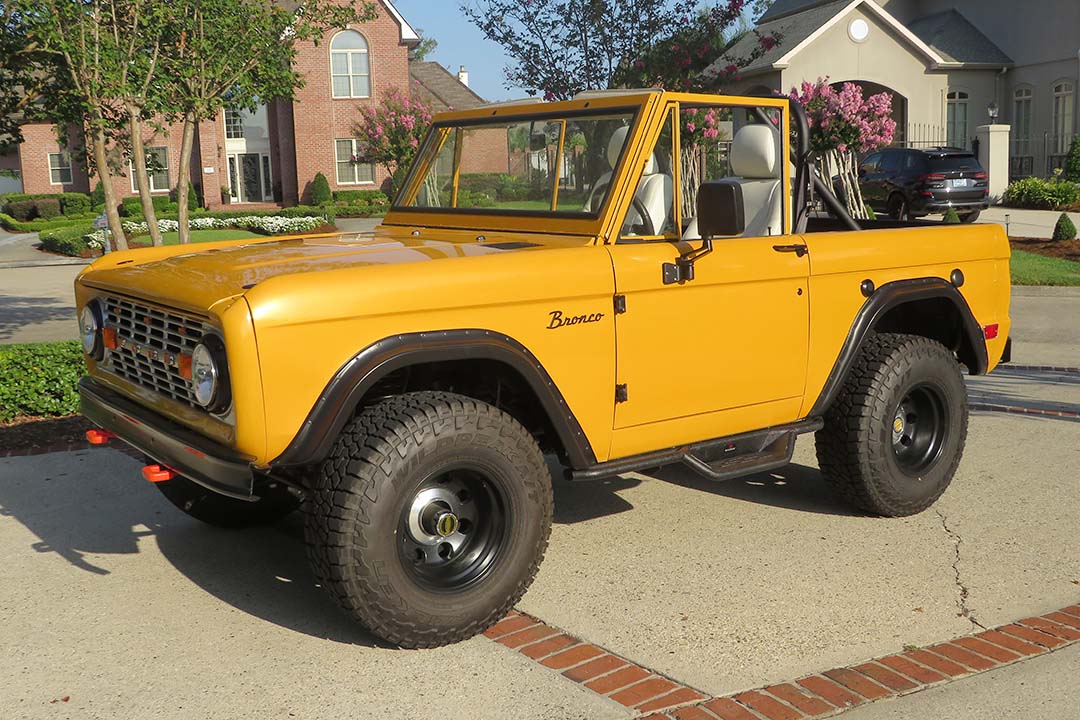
(620, 304)
(621, 394)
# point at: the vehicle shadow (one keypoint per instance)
(84, 507)
(793, 487)
(17, 312)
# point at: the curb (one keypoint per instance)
(12, 264)
(1045, 291)
(831, 692)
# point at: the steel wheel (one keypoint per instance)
(452, 528)
(919, 430)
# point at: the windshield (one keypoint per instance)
(536, 165)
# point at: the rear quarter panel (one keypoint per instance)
(840, 261)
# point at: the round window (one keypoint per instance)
(859, 30)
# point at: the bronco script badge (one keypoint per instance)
(558, 320)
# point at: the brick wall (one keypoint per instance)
(318, 118)
(40, 139)
(302, 132)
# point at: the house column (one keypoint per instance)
(994, 157)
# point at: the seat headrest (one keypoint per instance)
(615, 145)
(614, 150)
(754, 154)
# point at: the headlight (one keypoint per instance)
(204, 375)
(209, 377)
(90, 329)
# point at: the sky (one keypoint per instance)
(461, 43)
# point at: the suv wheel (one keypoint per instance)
(275, 502)
(430, 517)
(895, 434)
(898, 208)
(970, 217)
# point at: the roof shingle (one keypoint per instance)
(956, 40)
(441, 88)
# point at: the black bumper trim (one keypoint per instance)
(214, 466)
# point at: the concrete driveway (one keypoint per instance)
(113, 599)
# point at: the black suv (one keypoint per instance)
(909, 183)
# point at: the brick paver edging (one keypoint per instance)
(651, 694)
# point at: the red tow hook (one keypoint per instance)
(99, 437)
(158, 473)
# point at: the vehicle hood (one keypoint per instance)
(210, 274)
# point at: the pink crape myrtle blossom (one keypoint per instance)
(390, 133)
(843, 119)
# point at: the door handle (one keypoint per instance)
(799, 250)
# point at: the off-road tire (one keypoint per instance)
(354, 515)
(274, 503)
(899, 209)
(855, 448)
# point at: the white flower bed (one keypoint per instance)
(266, 225)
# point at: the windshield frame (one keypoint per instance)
(562, 221)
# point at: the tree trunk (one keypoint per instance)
(690, 179)
(182, 182)
(111, 213)
(842, 167)
(142, 178)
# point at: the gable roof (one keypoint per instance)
(801, 27)
(443, 90)
(957, 40)
(783, 8)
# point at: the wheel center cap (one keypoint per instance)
(446, 524)
(898, 424)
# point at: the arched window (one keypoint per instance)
(1063, 117)
(956, 122)
(350, 67)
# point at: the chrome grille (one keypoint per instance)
(150, 341)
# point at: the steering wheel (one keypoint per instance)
(646, 218)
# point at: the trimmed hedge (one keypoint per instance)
(1065, 228)
(320, 190)
(66, 241)
(41, 225)
(47, 208)
(40, 379)
(21, 210)
(131, 206)
(1038, 194)
(70, 203)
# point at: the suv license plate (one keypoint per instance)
(959, 183)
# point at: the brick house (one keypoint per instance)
(270, 155)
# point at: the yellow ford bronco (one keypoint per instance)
(597, 281)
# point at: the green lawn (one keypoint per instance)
(1031, 269)
(170, 238)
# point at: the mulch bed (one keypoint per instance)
(1060, 249)
(27, 436)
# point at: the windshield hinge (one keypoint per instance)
(620, 304)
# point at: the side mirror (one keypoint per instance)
(719, 212)
(720, 209)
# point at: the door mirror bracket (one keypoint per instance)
(682, 270)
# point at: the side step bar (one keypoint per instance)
(719, 459)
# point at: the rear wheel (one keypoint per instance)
(430, 517)
(898, 208)
(895, 434)
(970, 217)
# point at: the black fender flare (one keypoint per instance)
(340, 397)
(881, 301)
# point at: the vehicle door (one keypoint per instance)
(726, 351)
(890, 180)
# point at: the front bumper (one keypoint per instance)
(215, 466)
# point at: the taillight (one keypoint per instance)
(933, 177)
(980, 176)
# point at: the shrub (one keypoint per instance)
(40, 379)
(132, 206)
(193, 201)
(320, 190)
(66, 241)
(951, 216)
(22, 209)
(39, 225)
(1064, 230)
(1072, 162)
(47, 208)
(1038, 194)
(97, 196)
(359, 196)
(75, 203)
